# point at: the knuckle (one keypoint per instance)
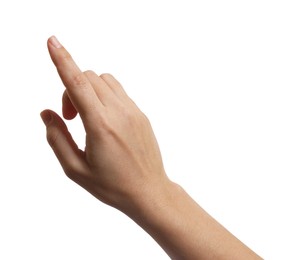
(79, 80)
(89, 73)
(73, 171)
(70, 172)
(132, 117)
(66, 57)
(128, 114)
(106, 76)
(52, 137)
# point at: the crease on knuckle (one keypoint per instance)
(65, 58)
(79, 80)
(52, 137)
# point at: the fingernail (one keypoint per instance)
(46, 117)
(54, 41)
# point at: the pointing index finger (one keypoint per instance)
(79, 89)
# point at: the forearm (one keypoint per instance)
(183, 229)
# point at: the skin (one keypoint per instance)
(121, 165)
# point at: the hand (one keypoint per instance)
(121, 162)
(122, 166)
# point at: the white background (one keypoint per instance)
(214, 78)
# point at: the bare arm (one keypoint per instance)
(122, 166)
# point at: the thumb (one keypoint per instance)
(70, 157)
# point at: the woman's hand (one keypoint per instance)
(121, 162)
(122, 166)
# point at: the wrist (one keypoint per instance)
(159, 212)
(149, 199)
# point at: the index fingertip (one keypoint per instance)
(54, 42)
